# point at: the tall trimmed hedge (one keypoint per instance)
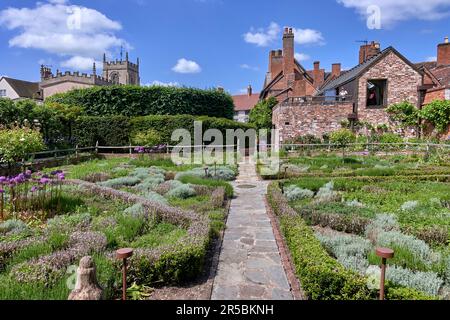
(118, 130)
(133, 101)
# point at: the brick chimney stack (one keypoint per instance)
(443, 55)
(318, 75)
(288, 56)
(369, 50)
(336, 69)
(249, 90)
(46, 72)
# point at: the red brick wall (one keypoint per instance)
(443, 57)
(402, 84)
(434, 95)
(315, 119)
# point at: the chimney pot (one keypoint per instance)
(316, 65)
(286, 30)
(336, 69)
(446, 40)
(443, 53)
(249, 90)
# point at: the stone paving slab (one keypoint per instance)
(250, 266)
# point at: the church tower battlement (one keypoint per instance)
(121, 71)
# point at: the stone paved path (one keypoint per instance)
(250, 264)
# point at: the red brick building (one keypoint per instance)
(316, 102)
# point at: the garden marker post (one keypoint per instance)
(384, 254)
(124, 254)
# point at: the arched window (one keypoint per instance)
(115, 78)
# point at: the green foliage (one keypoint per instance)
(407, 114)
(132, 101)
(342, 137)
(16, 143)
(438, 114)
(147, 138)
(322, 277)
(209, 183)
(261, 114)
(108, 131)
(390, 138)
(119, 130)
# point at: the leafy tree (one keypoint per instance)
(342, 138)
(17, 142)
(261, 115)
(149, 138)
(438, 114)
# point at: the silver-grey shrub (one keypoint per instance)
(428, 282)
(13, 226)
(220, 173)
(183, 191)
(121, 182)
(293, 193)
(136, 211)
(327, 194)
(155, 197)
(351, 251)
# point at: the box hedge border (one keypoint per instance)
(322, 277)
(119, 130)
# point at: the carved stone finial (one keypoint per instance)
(87, 287)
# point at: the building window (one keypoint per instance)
(115, 78)
(376, 93)
(3, 93)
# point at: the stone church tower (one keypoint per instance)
(121, 72)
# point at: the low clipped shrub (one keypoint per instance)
(136, 211)
(220, 173)
(155, 197)
(208, 183)
(327, 194)
(13, 226)
(428, 282)
(293, 193)
(120, 182)
(183, 191)
(322, 277)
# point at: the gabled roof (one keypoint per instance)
(244, 102)
(24, 89)
(280, 76)
(361, 68)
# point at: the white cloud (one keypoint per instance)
(308, 36)
(431, 59)
(393, 11)
(79, 63)
(57, 27)
(162, 84)
(187, 66)
(249, 67)
(301, 57)
(261, 37)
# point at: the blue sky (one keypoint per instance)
(208, 43)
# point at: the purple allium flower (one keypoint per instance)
(34, 189)
(2, 191)
(44, 180)
(3, 179)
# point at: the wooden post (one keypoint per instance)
(76, 151)
(130, 151)
(96, 147)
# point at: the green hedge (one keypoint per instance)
(118, 130)
(133, 101)
(321, 276)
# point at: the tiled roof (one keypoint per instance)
(352, 74)
(245, 102)
(24, 89)
(441, 73)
